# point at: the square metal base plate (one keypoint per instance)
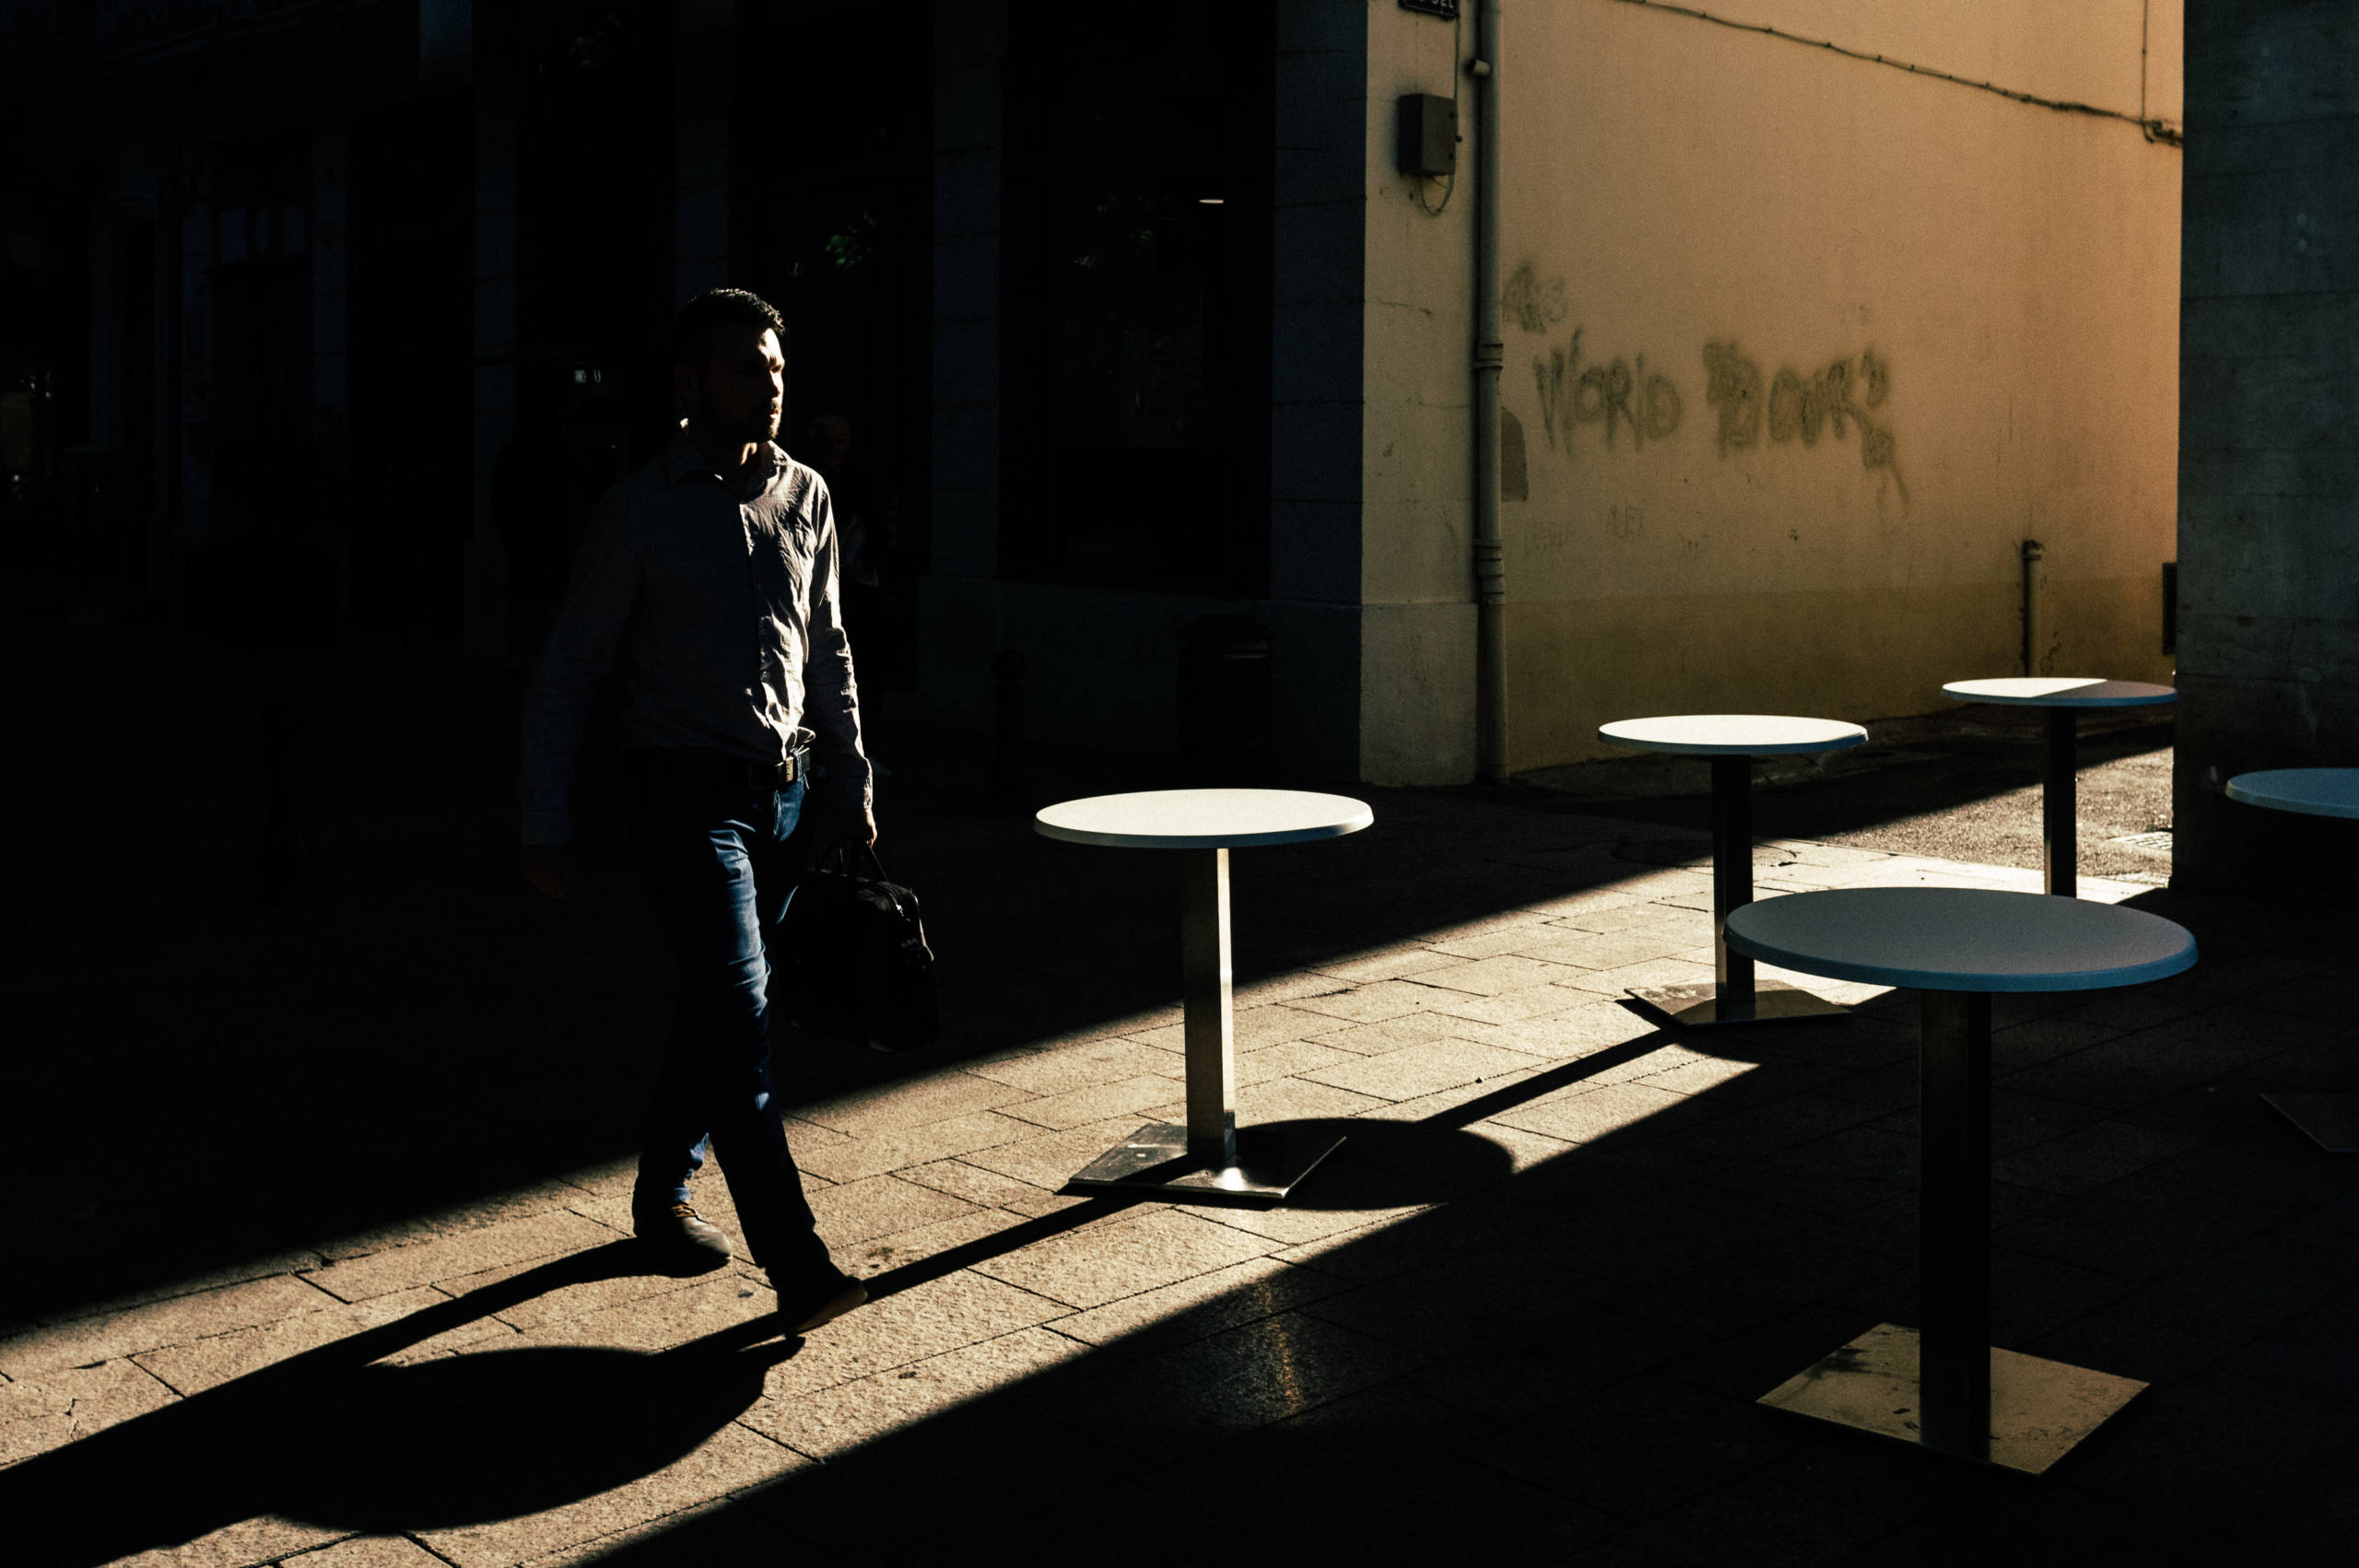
(1699, 1006)
(2331, 1120)
(2038, 1409)
(1270, 1161)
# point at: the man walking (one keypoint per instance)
(708, 582)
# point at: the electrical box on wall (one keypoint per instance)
(1428, 133)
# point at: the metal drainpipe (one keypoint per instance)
(1490, 564)
(2032, 554)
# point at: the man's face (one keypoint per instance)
(740, 391)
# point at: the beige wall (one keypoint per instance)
(1416, 458)
(1981, 293)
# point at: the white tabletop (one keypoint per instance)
(1731, 735)
(2313, 791)
(1204, 819)
(2061, 691)
(1961, 939)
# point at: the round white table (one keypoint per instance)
(2312, 792)
(1732, 740)
(1943, 1385)
(2062, 697)
(1210, 1160)
(2331, 1120)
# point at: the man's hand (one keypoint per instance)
(862, 829)
(549, 867)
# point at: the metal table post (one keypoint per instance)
(1204, 992)
(2062, 697)
(1208, 1160)
(1943, 1385)
(1732, 877)
(2060, 847)
(1954, 1223)
(1734, 996)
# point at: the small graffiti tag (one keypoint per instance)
(1533, 304)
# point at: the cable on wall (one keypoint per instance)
(2154, 130)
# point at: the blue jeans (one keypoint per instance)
(719, 865)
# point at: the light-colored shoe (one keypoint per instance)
(681, 1237)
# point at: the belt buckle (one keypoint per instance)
(773, 776)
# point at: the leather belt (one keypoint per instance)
(724, 771)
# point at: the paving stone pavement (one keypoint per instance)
(1523, 1316)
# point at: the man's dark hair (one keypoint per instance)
(695, 331)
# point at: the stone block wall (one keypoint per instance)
(2269, 431)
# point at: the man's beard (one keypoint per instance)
(752, 431)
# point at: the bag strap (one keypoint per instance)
(874, 869)
(859, 862)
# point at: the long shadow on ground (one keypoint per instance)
(200, 1086)
(1569, 1359)
(1535, 1363)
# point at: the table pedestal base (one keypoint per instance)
(1156, 1162)
(2331, 1120)
(2039, 1410)
(1703, 1006)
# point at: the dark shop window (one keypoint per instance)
(1137, 346)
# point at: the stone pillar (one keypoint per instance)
(2269, 454)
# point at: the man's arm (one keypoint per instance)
(830, 695)
(581, 649)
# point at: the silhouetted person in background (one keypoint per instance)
(725, 696)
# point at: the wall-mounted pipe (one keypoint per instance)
(1490, 562)
(2032, 554)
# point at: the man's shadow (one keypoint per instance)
(329, 1438)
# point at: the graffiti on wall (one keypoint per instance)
(1627, 402)
(1618, 393)
(1794, 407)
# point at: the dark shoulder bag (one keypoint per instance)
(851, 951)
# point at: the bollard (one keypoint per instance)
(2032, 554)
